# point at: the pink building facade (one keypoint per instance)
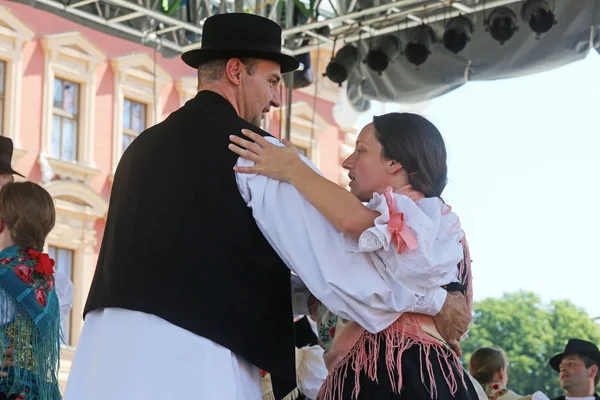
(72, 98)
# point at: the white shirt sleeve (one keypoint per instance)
(310, 370)
(64, 292)
(345, 282)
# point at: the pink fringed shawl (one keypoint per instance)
(358, 349)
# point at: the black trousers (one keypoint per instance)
(412, 386)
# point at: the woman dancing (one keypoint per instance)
(413, 239)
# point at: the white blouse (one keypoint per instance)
(434, 261)
(343, 280)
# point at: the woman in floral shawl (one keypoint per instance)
(29, 309)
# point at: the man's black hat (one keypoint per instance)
(579, 347)
(6, 153)
(234, 35)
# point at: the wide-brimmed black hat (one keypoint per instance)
(6, 153)
(579, 347)
(240, 35)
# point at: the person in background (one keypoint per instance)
(63, 285)
(489, 366)
(29, 308)
(578, 369)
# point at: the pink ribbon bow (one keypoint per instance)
(402, 236)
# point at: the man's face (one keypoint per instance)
(574, 375)
(4, 179)
(260, 91)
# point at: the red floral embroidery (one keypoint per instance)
(332, 331)
(40, 296)
(50, 285)
(24, 273)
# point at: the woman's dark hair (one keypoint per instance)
(414, 142)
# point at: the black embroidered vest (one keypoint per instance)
(180, 242)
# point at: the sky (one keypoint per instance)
(524, 178)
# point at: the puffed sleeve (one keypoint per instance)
(419, 242)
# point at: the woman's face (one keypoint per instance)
(369, 172)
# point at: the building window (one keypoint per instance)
(14, 33)
(63, 259)
(140, 90)
(303, 151)
(134, 121)
(65, 120)
(2, 93)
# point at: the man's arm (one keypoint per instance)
(346, 282)
(453, 320)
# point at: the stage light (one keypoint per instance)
(324, 31)
(356, 97)
(538, 15)
(457, 34)
(385, 51)
(418, 48)
(502, 24)
(342, 64)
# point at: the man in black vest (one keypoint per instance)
(188, 299)
(578, 367)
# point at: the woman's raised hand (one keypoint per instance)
(269, 160)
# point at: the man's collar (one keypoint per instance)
(216, 100)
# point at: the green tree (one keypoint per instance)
(530, 333)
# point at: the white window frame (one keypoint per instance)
(131, 132)
(135, 79)
(187, 87)
(72, 57)
(13, 34)
(60, 112)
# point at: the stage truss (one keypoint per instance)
(179, 30)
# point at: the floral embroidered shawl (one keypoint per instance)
(29, 324)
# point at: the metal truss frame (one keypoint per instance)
(143, 20)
